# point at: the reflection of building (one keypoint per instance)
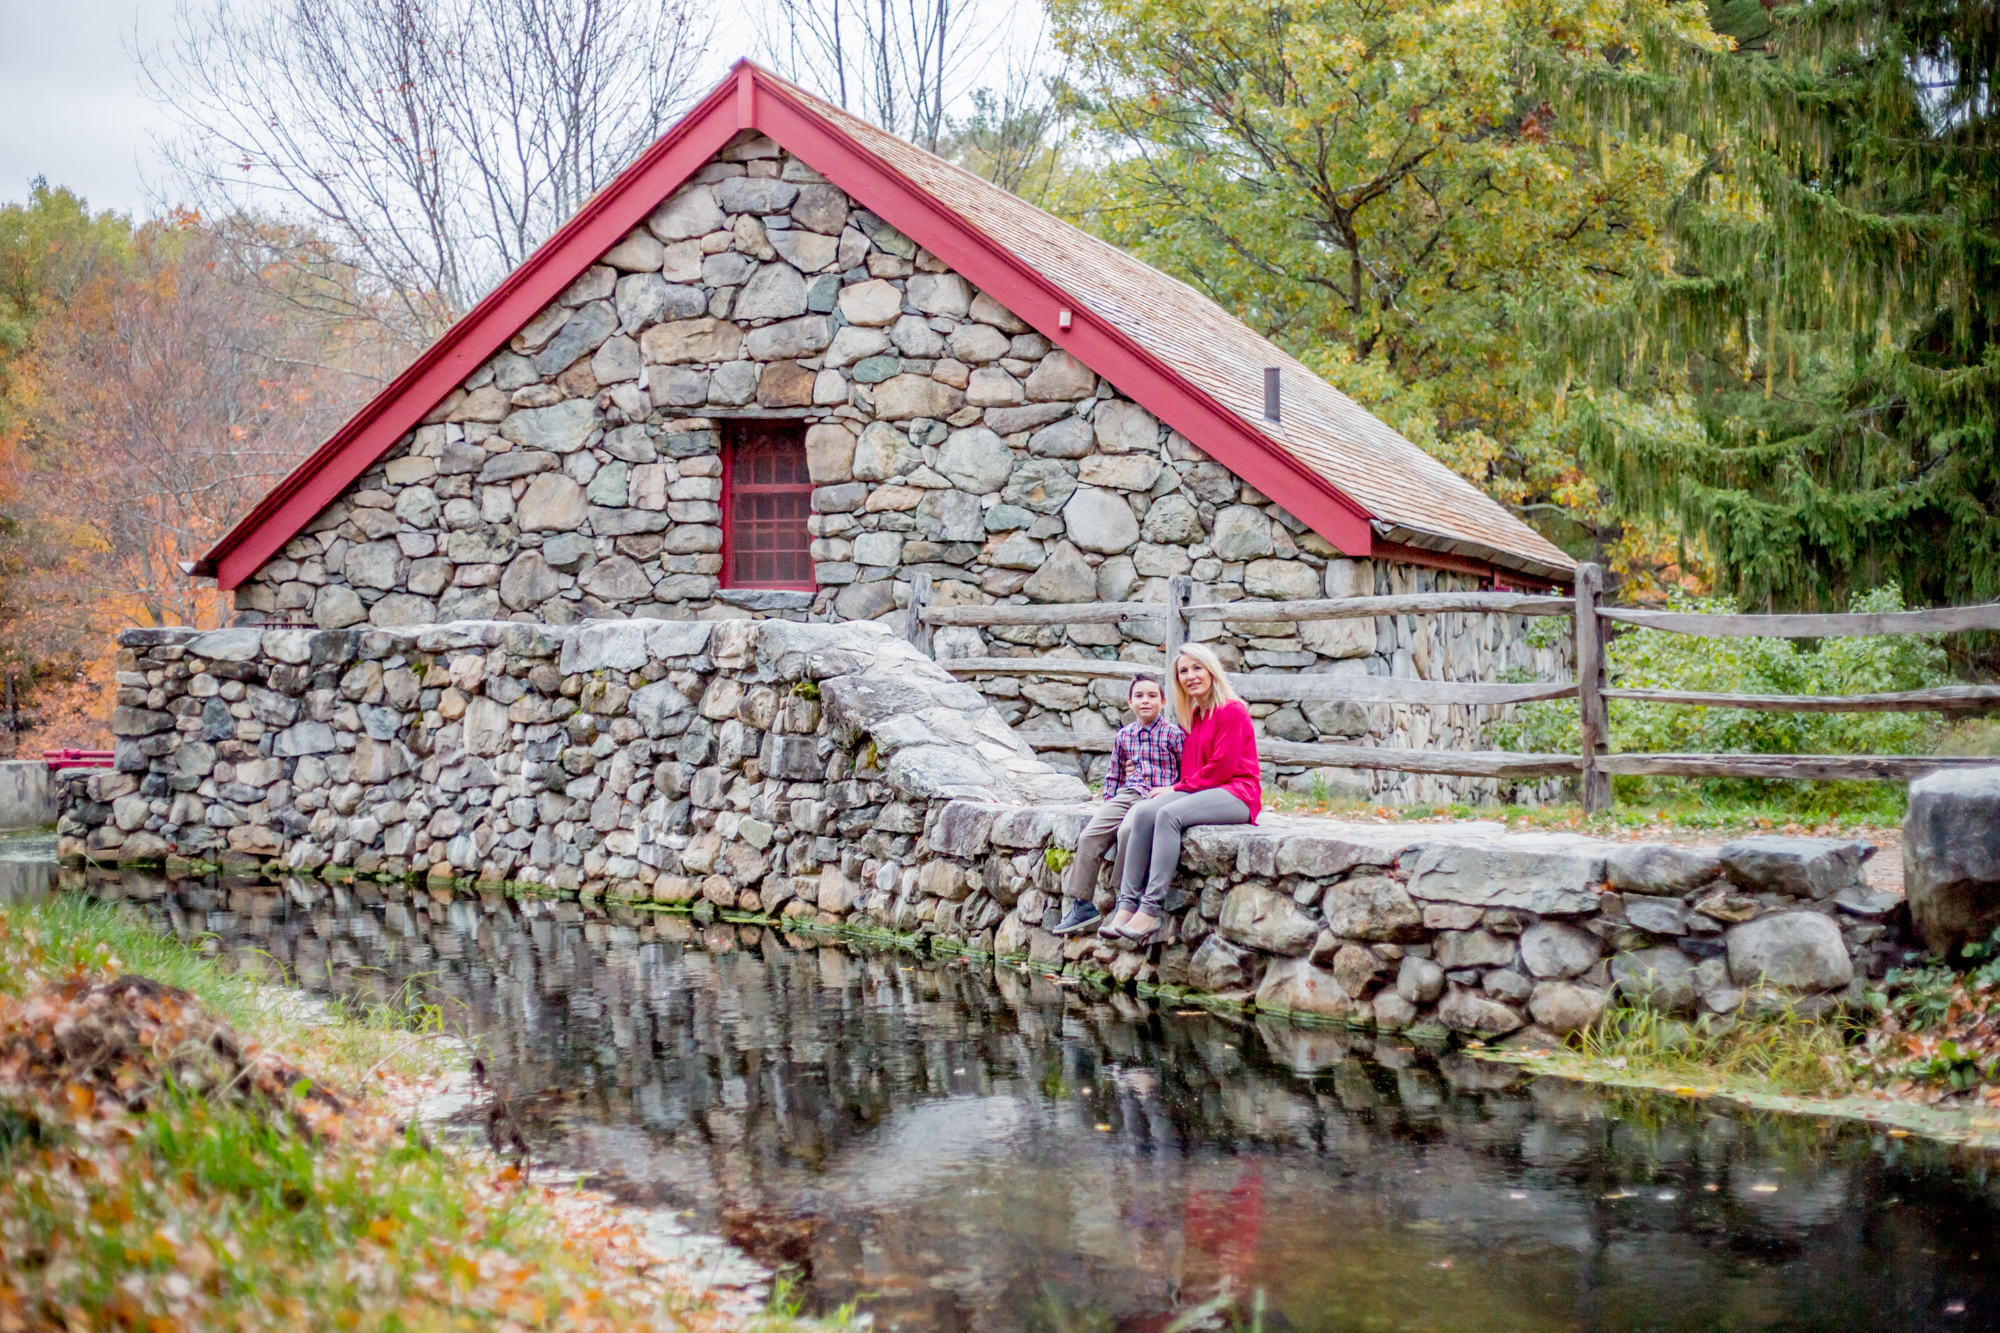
(927, 1134)
(787, 361)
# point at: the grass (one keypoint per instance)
(1785, 1053)
(1926, 1036)
(213, 1212)
(1690, 814)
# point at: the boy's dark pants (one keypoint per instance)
(1098, 836)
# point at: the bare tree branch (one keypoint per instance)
(898, 63)
(420, 149)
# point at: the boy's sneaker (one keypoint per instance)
(1081, 914)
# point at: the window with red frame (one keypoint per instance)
(766, 496)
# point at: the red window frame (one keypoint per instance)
(783, 489)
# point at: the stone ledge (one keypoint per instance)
(1469, 926)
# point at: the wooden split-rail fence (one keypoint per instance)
(1594, 766)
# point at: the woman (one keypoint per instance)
(1220, 784)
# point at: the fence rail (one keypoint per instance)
(1950, 699)
(1593, 766)
(1943, 620)
(1445, 763)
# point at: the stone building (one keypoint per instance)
(787, 361)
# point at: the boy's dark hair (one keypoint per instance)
(1137, 681)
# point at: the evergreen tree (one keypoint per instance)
(1830, 312)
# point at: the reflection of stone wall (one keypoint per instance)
(830, 773)
(577, 474)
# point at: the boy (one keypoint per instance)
(1145, 757)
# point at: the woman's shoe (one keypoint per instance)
(1115, 927)
(1133, 930)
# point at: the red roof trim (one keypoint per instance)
(463, 348)
(751, 97)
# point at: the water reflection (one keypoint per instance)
(27, 865)
(957, 1147)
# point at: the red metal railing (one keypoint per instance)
(77, 758)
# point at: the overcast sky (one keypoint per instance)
(69, 95)
(69, 98)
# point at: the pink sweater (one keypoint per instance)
(1221, 751)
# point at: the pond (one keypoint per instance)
(953, 1145)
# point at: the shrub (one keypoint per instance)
(1659, 660)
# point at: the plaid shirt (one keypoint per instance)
(1145, 757)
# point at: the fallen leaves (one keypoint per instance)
(88, 1054)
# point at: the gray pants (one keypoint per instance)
(1152, 837)
(1097, 839)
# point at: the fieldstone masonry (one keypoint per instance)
(578, 475)
(830, 775)
(579, 758)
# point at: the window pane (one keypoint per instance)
(771, 496)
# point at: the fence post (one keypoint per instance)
(918, 630)
(1180, 591)
(1595, 784)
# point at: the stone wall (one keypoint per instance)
(580, 757)
(829, 775)
(1464, 927)
(578, 474)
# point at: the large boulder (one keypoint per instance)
(1295, 986)
(1219, 965)
(1801, 867)
(1257, 918)
(1469, 1011)
(1554, 950)
(1100, 520)
(1650, 867)
(1548, 874)
(1372, 907)
(976, 460)
(1799, 950)
(1951, 856)
(1064, 576)
(1419, 980)
(1563, 1007)
(1661, 979)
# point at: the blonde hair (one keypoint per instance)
(1219, 692)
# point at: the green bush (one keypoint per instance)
(1659, 660)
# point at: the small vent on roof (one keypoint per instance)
(1270, 393)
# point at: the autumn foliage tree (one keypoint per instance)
(154, 400)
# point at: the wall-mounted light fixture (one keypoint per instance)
(1270, 393)
(1062, 319)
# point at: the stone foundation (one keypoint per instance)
(831, 776)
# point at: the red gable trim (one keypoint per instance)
(752, 98)
(485, 329)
